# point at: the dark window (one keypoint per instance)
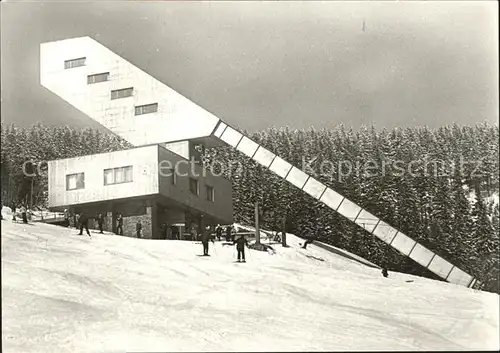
(193, 186)
(98, 78)
(75, 181)
(146, 109)
(69, 64)
(118, 175)
(210, 193)
(174, 177)
(122, 93)
(169, 173)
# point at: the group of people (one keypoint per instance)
(240, 243)
(24, 211)
(81, 220)
(229, 233)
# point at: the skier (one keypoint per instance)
(206, 236)
(194, 233)
(218, 232)
(240, 246)
(119, 227)
(228, 233)
(23, 214)
(138, 228)
(100, 222)
(308, 241)
(175, 233)
(66, 218)
(84, 222)
(384, 272)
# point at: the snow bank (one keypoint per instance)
(67, 293)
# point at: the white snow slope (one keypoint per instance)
(67, 293)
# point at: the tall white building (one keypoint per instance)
(123, 98)
(148, 114)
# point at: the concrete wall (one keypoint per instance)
(145, 176)
(129, 224)
(177, 118)
(221, 209)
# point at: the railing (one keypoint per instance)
(43, 216)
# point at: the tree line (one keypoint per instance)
(432, 184)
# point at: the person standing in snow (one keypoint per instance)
(66, 217)
(100, 222)
(205, 238)
(228, 233)
(385, 273)
(218, 232)
(308, 241)
(138, 228)
(164, 231)
(119, 227)
(241, 242)
(24, 215)
(84, 222)
(194, 233)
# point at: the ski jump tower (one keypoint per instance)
(144, 111)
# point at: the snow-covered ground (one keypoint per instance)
(67, 293)
(33, 215)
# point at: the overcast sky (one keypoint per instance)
(259, 64)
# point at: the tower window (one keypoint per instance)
(210, 193)
(69, 64)
(174, 177)
(146, 109)
(193, 186)
(122, 93)
(98, 78)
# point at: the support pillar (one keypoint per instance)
(283, 236)
(257, 226)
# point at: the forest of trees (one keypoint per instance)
(443, 203)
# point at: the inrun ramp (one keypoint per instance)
(142, 110)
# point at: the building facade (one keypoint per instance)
(169, 193)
